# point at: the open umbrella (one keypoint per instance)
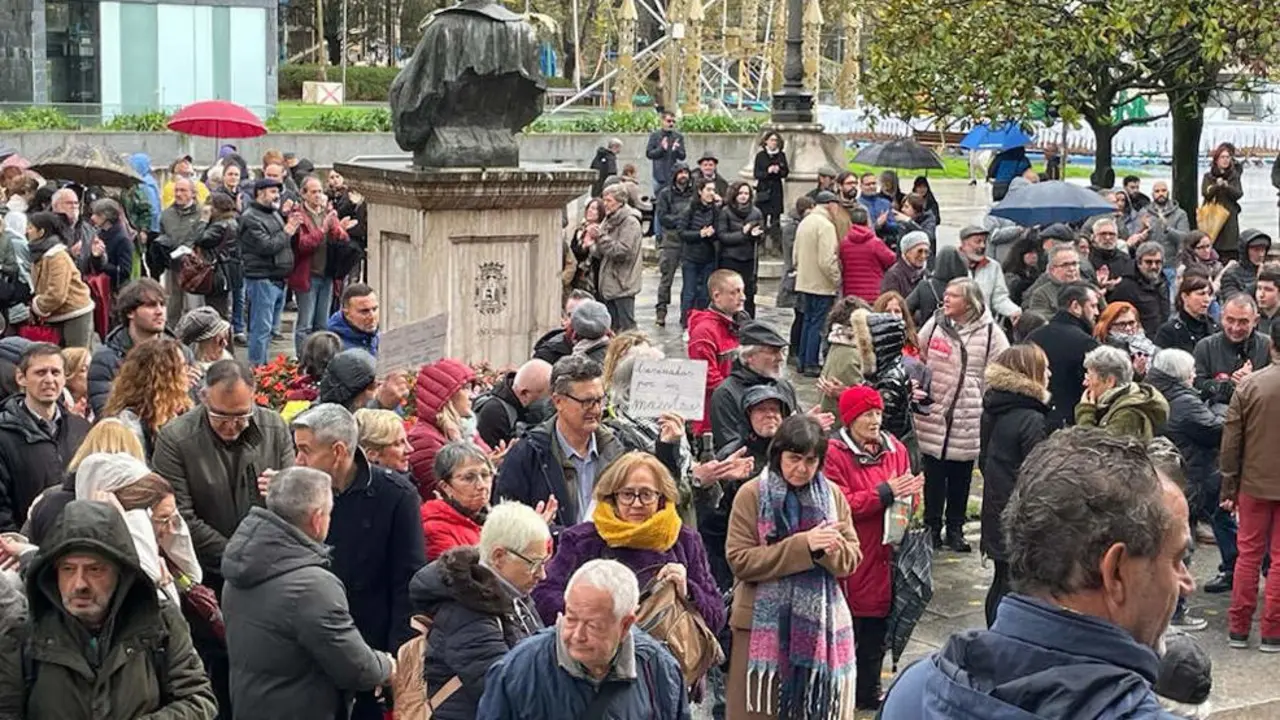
(86, 164)
(903, 153)
(1003, 136)
(912, 589)
(217, 119)
(6, 151)
(1054, 201)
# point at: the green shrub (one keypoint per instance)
(364, 83)
(37, 118)
(373, 120)
(155, 121)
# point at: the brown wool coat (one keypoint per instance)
(753, 562)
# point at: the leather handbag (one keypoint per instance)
(196, 274)
(1211, 218)
(673, 620)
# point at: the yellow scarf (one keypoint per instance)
(658, 533)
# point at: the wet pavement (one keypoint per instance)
(1244, 686)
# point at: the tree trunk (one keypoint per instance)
(1103, 133)
(1188, 122)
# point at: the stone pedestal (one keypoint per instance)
(483, 246)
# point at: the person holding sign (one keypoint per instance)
(873, 470)
(713, 333)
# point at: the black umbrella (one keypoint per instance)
(903, 153)
(912, 589)
(87, 165)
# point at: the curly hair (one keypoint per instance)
(152, 382)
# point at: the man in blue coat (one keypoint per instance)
(593, 663)
(356, 322)
(375, 531)
(1096, 539)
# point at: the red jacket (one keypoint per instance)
(864, 482)
(309, 239)
(436, 385)
(863, 260)
(712, 337)
(446, 528)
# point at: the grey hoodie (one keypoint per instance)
(293, 647)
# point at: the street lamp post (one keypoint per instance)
(793, 104)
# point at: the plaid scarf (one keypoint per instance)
(801, 630)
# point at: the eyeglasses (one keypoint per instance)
(1074, 263)
(168, 521)
(474, 477)
(1124, 325)
(1151, 262)
(630, 497)
(586, 403)
(215, 416)
(535, 564)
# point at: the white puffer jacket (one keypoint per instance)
(958, 356)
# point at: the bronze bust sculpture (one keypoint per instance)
(474, 82)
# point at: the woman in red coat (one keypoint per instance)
(873, 469)
(864, 258)
(443, 396)
(465, 484)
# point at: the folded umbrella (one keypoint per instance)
(912, 589)
(1049, 202)
(903, 153)
(1004, 136)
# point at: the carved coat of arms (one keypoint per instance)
(491, 288)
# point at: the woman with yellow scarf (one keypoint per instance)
(635, 522)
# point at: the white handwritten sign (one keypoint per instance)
(669, 386)
(408, 347)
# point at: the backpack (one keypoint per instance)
(672, 620)
(513, 419)
(409, 686)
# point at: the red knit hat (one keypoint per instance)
(858, 399)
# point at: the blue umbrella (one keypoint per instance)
(1051, 202)
(999, 137)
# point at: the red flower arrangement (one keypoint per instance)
(273, 379)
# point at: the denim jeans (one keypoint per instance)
(815, 311)
(266, 299)
(313, 310)
(237, 309)
(693, 287)
(1220, 521)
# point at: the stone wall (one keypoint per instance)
(324, 149)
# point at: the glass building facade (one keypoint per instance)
(136, 56)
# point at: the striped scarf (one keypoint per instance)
(801, 630)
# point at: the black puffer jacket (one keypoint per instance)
(694, 247)
(221, 239)
(1014, 409)
(1192, 426)
(1183, 331)
(552, 346)
(735, 244)
(475, 622)
(890, 379)
(1217, 357)
(31, 459)
(266, 250)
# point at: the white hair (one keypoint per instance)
(611, 576)
(1111, 363)
(294, 493)
(514, 526)
(1177, 364)
(331, 423)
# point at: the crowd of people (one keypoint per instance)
(540, 548)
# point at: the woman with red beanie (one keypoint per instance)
(873, 470)
(443, 395)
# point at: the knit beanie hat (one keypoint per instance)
(349, 373)
(857, 400)
(201, 324)
(590, 320)
(913, 239)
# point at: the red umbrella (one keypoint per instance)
(217, 119)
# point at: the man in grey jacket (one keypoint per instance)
(294, 649)
(987, 273)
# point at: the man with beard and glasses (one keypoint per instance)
(1166, 224)
(1146, 289)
